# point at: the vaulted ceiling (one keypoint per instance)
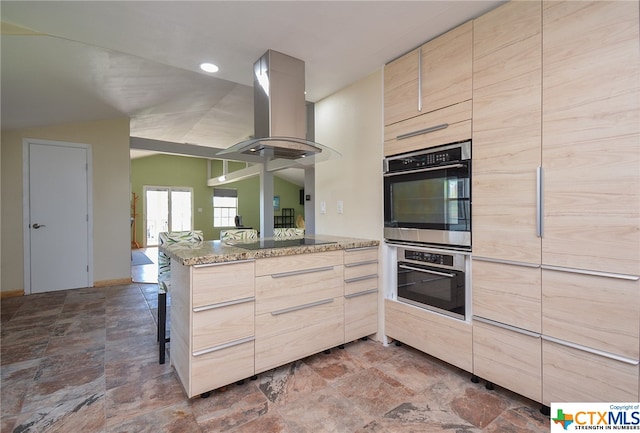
(68, 61)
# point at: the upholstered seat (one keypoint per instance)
(288, 233)
(164, 279)
(238, 234)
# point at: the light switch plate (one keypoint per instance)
(340, 206)
(323, 207)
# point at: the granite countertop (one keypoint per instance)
(202, 253)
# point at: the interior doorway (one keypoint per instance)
(166, 209)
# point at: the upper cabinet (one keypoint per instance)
(427, 93)
(591, 136)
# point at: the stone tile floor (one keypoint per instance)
(86, 361)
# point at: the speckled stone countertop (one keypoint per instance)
(206, 252)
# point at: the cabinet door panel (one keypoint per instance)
(506, 132)
(360, 270)
(597, 312)
(222, 325)
(222, 283)
(401, 88)
(507, 294)
(222, 367)
(447, 68)
(298, 262)
(279, 293)
(509, 359)
(591, 140)
(573, 375)
(443, 337)
(359, 255)
(291, 336)
(360, 316)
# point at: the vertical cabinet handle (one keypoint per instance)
(539, 202)
(420, 79)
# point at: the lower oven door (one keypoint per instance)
(441, 290)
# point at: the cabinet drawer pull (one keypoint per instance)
(223, 304)
(505, 262)
(209, 265)
(355, 295)
(353, 265)
(223, 346)
(591, 350)
(375, 247)
(593, 273)
(364, 277)
(422, 131)
(507, 327)
(301, 307)
(539, 202)
(304, 271)
(420, 79)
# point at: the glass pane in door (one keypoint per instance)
(157, 209)
(181, 210)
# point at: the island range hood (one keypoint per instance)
(280, 116)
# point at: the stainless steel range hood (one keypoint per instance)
(280, 116)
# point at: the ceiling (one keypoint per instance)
(69, 61)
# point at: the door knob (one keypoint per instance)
(37, 226)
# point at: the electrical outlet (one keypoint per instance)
(340, 206)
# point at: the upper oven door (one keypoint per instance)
(433, 198)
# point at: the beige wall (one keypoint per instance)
(109, 140)
(350, 121)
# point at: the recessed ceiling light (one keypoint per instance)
(209, 67)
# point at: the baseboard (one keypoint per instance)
(116, 282)
(11, 293)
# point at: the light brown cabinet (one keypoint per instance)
(421, 89)
(299, 307)
(212, 324)
(562, 94)
(444, 337)
(360, 292)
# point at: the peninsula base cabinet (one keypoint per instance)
(443, 337)
(212, 324)
(233, 320)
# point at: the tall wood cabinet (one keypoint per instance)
(427, 93)
(557, 86)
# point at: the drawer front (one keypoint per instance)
(443, 337)
(458, 118)
(291, 336)
(574, 375)
(221, 367)
(214, 284)
(508, 294)
(360, 270)
(597, 312)
(509, 359)
(359, 255)
(222, 325)
(297, 262)
(361, 284)
(360, 316)
(275, 293)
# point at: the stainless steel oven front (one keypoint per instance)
(433, 279)
(427, 196)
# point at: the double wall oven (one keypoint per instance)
(427, 218)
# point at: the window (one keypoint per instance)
(225, 207)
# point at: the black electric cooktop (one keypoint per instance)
(280, 243)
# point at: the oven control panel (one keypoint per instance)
(423, 256)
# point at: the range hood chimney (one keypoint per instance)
(280, 114)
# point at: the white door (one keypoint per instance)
(166, 209)
(57, 197)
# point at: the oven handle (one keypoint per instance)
(442, 274)
(442, 167)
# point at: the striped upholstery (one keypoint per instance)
(238, 234)
(164, 262)
(288, 233)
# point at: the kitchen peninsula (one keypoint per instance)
(238, 309)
